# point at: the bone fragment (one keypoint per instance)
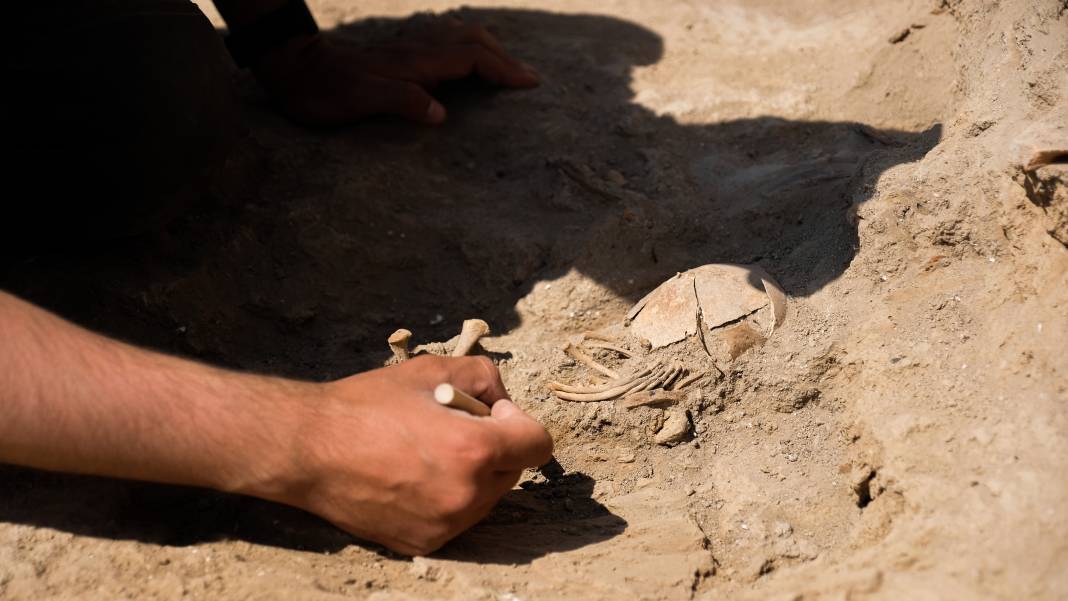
(588, 335)
(607, 346)
(679, 370)
(398, 343)
(576, 353)
(690, 379)
(650, 398)
(472, 330)
(662, 377)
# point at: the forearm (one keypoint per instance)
(71, 400)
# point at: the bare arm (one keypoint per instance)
(372, 453)
(74, 401)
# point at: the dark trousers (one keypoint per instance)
(116, 113)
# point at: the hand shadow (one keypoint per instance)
(539, 518)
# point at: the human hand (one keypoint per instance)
(379, 458)
(319, 80)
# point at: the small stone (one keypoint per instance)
(626, 458)
(675, 430)
(422, 569)
(782, 529)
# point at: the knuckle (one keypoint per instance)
(487, 366)
(432, 367)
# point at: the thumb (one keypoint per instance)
(521, 440)
(403, 99)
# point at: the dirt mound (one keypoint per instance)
(903, 434)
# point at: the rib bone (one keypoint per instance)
(558, 386)
(690, 379)
(606, 395)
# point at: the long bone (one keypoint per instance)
(472, 330)
(398, 343)
(578, 355)
(607, 346)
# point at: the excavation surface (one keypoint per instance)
(901, 435)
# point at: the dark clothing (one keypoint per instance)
(115, 112)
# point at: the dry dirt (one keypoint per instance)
(904, 435)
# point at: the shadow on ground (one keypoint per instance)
(317, 245)
(529, 522)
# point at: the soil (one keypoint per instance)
(904, 434)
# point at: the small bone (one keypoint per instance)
(679, 371)
(576, 353)
(472, 330)
(607, 395)
(607, 346)
(658, 382)
(690, 379)
(598, 336)
(650, 398)
(651, 381)
(398, 343)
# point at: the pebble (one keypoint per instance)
(676, 428)
(782, 529)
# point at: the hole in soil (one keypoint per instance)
(863, 490)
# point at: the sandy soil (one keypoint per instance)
(903, 435)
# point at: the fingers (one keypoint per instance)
(477, 376)
(521, 441)
(377, 95)
(476, 34)
(433, 65)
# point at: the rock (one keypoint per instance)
(782, 529)
(626, 458)
(676, 429)
(422, 569)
